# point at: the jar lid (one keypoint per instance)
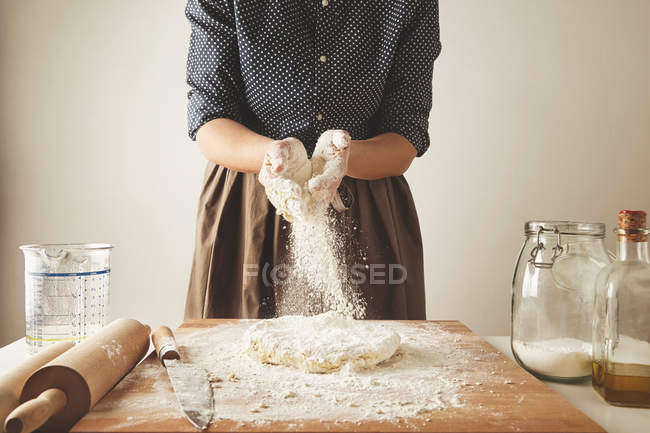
(565, 228)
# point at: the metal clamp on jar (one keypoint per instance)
(552, 298)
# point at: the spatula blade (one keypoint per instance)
(193, 391)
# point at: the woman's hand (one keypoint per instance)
(329, 165)
(285, 158)
(284, 172)
(298, 186)
(275, 160)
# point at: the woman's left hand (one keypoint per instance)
(329, 164)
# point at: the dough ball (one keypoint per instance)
(320, 344)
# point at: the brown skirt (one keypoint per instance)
(240, 240)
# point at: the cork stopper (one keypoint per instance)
(632, 220)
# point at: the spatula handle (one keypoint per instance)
(165, 344)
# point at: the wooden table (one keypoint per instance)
(528, 407)
(614, 419)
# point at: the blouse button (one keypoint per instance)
(319, 116)
(325, 3)
(323, 59)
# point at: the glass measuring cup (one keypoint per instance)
(66, 292)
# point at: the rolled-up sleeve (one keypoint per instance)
(213, 70)
(406, 102)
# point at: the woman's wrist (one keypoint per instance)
(263, 147)
(230, 144)
(385, 155)
(357, 150)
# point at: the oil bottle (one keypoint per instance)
(621, 325)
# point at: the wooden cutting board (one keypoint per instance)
(527, 407)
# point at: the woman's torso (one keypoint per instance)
(290, 89)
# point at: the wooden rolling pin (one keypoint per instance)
(57, 395)
(11, 383)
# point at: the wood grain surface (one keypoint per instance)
(525, 406)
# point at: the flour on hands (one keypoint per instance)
(301, 190)
(329, 164)
(285, 171)
(299, 187)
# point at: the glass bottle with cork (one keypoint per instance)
(621, 325)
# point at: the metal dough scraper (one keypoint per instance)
(190, 383)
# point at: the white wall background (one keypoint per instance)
(541, 110)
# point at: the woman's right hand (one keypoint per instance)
(284, 169)
(275, 157)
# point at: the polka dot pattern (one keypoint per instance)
(300, 67)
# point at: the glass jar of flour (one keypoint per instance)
(553, 296)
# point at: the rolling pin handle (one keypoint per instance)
(34, 413)
(165, 344)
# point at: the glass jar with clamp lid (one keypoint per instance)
(553, 295)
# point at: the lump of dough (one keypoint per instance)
(320, 344)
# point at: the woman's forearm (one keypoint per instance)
(230, 144)
(385, 155)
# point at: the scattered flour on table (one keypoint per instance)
(321, 344)
(146, 396)
(422, 376)
(559, 357)
(431, 372)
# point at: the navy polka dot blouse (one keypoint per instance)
(299, 67)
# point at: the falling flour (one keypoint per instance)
(301, 189)
(318, 264)
(560, 357)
